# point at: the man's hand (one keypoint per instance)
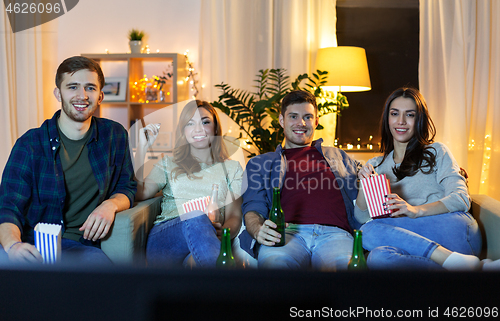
(267, 235)
(10, 238)
(99, 221)
(24, 252)
(262, 230)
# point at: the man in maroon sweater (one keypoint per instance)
(318, 186)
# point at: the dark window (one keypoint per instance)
(389, 32)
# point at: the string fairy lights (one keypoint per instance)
(191, 78)
(142, 89)
(475, 147)
(486, 165)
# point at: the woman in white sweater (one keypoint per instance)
(430, 227)
(199, 160)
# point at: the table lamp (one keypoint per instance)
(347, 69)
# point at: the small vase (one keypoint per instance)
(151, 94)
(135, 46)
(161, 96)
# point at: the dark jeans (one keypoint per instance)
(84, 252)
(173, 241)
(73, 252)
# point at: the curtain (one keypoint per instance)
(240, 37)
(459, 75)
(21, 95)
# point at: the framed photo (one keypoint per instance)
(115, 89)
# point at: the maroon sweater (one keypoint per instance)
(310, 193)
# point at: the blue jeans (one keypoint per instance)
(83, 252)
(403, 242)
(73, 252)
(320, 247)
(173, 241)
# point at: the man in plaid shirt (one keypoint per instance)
(75, 170)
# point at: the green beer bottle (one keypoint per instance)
(357, 261)
(276, 216)
(225, 259)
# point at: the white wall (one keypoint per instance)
(172, 26)
(95, 25)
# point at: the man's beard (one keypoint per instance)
(75, 115)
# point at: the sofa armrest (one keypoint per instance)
(126, 241)
(486, 211)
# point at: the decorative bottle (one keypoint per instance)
(225, 259)
(276, 215)
(212, 207)
(357, 261)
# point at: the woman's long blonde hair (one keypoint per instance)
(185, 162)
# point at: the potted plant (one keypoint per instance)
(135, 36)
(257, 112)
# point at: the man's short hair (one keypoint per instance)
(76, 63)
(298, 97)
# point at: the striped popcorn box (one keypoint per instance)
(48, 242)
(375, 188)
(196, 204)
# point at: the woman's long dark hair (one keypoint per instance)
(186, 163)
(418, 155)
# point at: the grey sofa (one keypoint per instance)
(127, 240)
(486, 211)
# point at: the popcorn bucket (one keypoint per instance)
(199, 204)
(375, 188)
(48, 242)
(194, 208)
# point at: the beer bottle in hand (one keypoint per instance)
(225, 259)
(358, 261)
(276, 216)
(212, 207)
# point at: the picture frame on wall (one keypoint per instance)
(115, 89)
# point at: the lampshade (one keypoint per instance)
(347, 68)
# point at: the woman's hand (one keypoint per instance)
(366, 171)
(218, 229)
(400, 207)
(214, 215)
(146, 188)
(148, 135)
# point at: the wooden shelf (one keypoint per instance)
(136, 65)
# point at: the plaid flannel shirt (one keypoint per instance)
(32, 188)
